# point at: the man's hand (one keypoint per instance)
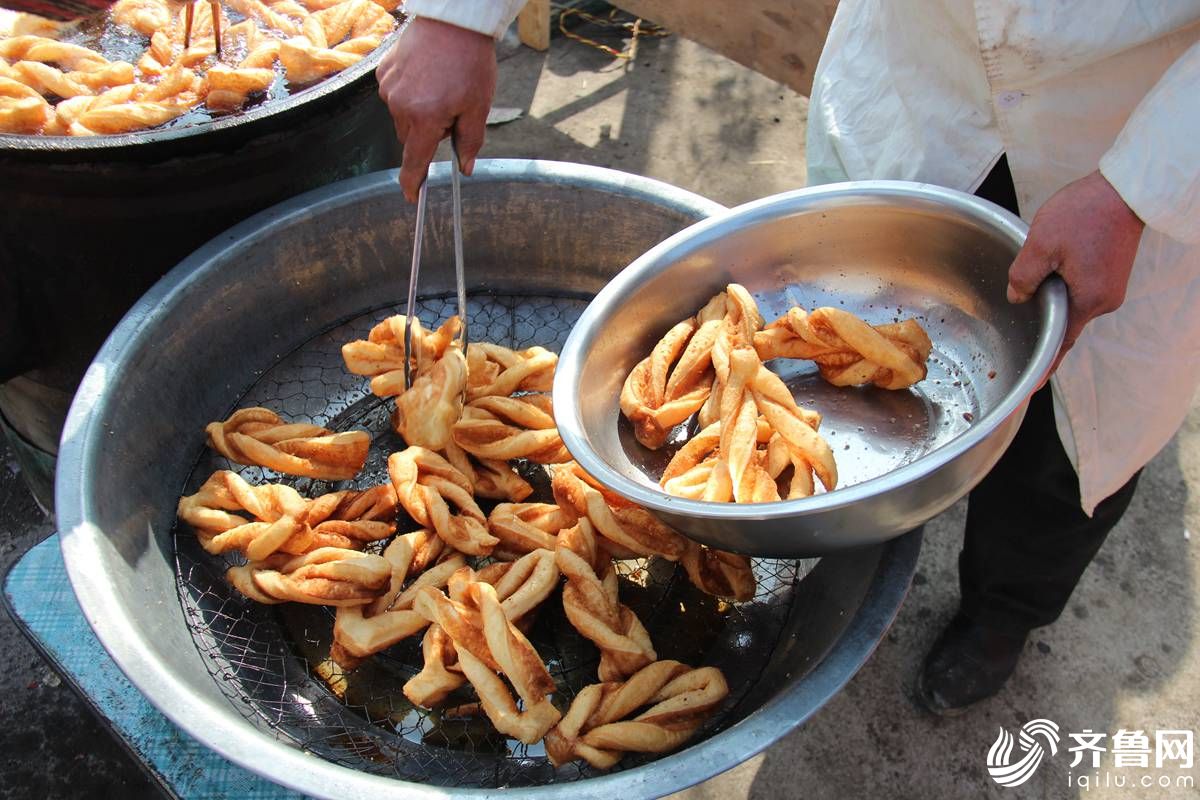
(437, 79)
(1089, 236)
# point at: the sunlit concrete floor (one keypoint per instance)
(1124, 656)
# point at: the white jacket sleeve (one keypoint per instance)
(1155, 162)
(486, 16)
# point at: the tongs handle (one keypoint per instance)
(460, 283)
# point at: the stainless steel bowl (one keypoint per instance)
(258, 315)
(883, 250)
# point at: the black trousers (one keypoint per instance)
(1027, 540)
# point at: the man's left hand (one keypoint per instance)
(1089, 236)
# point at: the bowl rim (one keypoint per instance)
(85, 544)
(1051, 300)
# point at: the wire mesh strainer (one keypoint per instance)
(272, 661)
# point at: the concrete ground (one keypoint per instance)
(1124, 656)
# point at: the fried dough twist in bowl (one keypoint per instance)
(848, 351)
(756, 445)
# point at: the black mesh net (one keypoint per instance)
(272, 662)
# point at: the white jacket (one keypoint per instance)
(936, 90)
(486, 16)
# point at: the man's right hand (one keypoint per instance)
(437, 80)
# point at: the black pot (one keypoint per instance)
(90, 223)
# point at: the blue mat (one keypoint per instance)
(39, 596)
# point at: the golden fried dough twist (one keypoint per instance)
(229, 88)
(796, 426)
(719, 573)
(24, 115)
(670, 384)
(489, 477)
(503, 428)
(381, 355)
(361, 631)
(680, 698)
(426, 413)
(327, 576)
(350, 19)
(657, 396)
(487, 642)
(848, 351)
(274, 510)
(144, 16)
(48, 51)
(426, 485)
(358, 516)
(591, 604)
(306, 62)
(258, 436)
(271, 16)
(628, 529)
(282, 520)
(497, 370)
(525, 527)
(521, 586)
(691, 470)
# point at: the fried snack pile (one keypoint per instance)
(755, 444)
(469, 583)
(58, 88)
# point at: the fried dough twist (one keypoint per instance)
(280, 519)
(260, 437)
(497, 370)
(680, 699)
(426, 413)
(628, 530)
(848, 351)
(426, 485)
(327, 576)
(361, 631)
(524, 527)
(381, 355)
(521, 586)
(491, 478)
(503, 428)
(591, 604)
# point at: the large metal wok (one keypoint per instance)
(90, 223)
(257, 316)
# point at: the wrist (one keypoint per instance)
(1118, 211)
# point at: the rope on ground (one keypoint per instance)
(635, 28)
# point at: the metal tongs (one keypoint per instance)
(189, 15)
(410, 311)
